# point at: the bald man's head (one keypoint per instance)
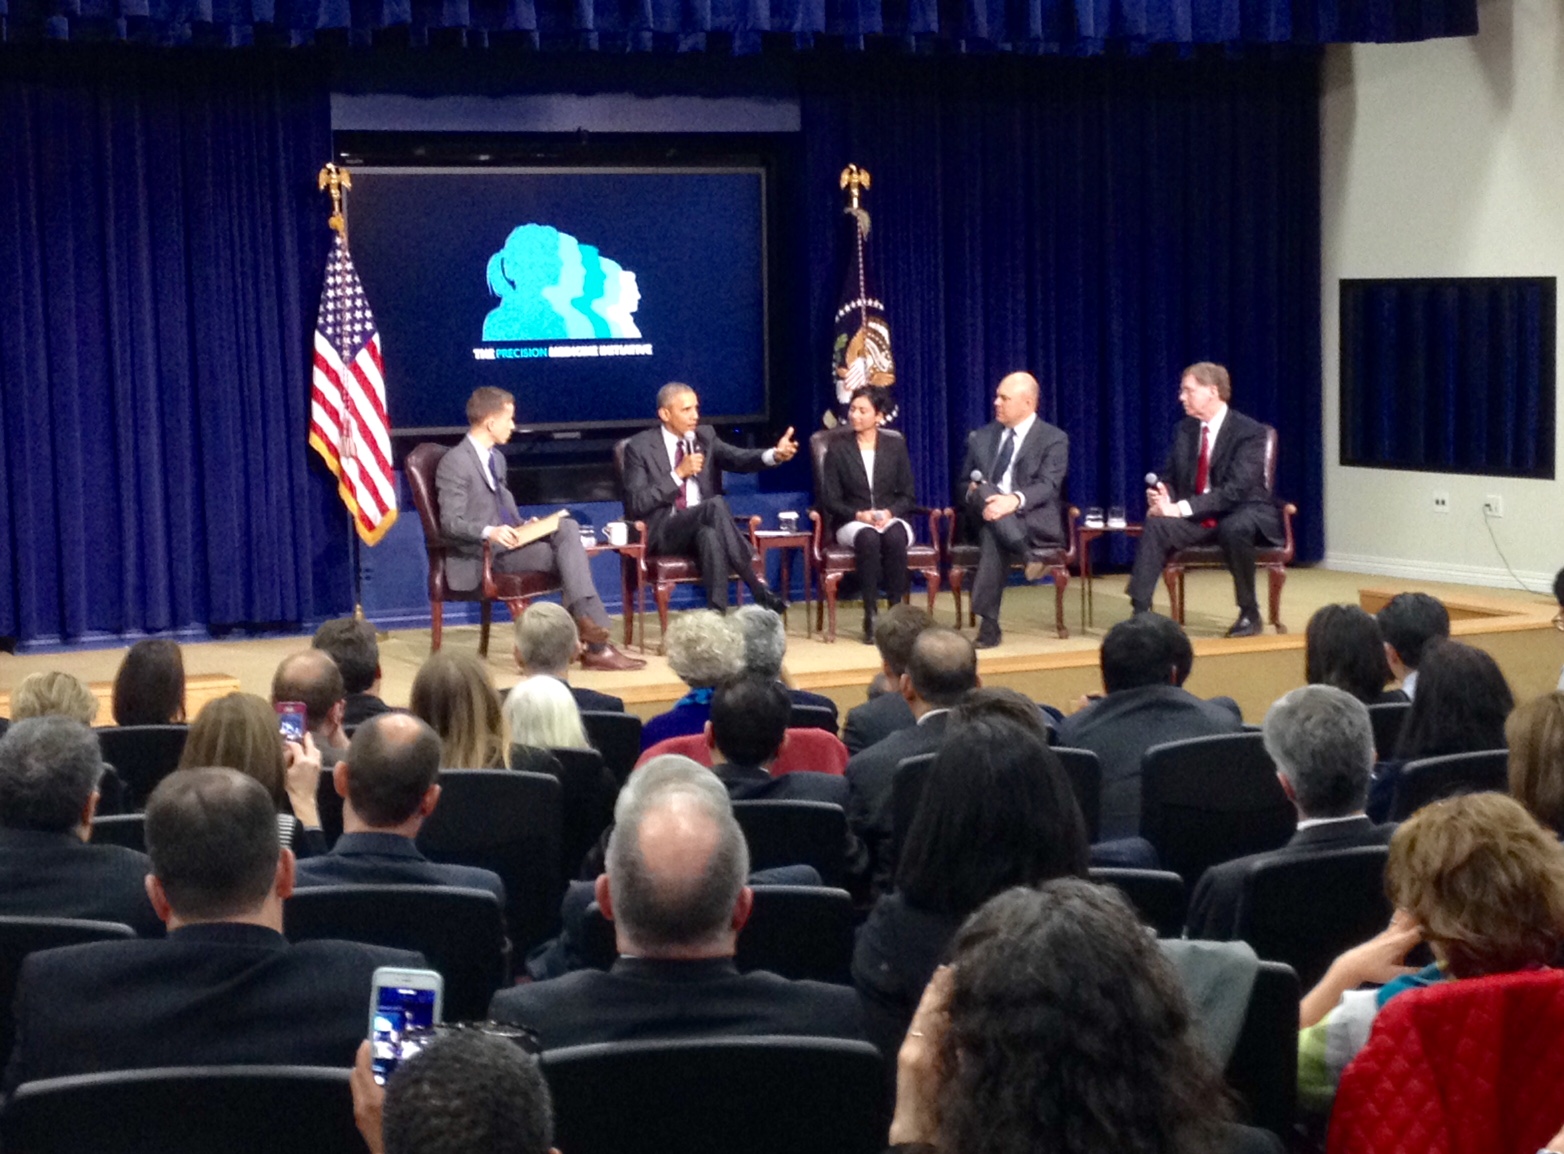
(1016, 399)
(392, 761)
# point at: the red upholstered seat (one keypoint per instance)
(1466, 1067)
(802, 749)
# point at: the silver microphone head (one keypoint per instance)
(1151, 480)
(977, 477)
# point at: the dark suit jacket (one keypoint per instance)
(818, 700)
(1213, 911)
(844, 486)
(641, 999)
(57, 875)
(592, 699)
(1237, 474)
(388, 859)
(1040, 464)
(875, 720)
(650, 489)
(467, 508)
(754, 783)
(1122, 726)
(224, 994)
(361, 707)
(869, 776)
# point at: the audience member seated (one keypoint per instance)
(1144, 661)
(1461, 704)
(1323, 745)
(675, 891)
(49, 769)
(1343, 647)
(53, 694)
(1478, 880)
(803, 748)
(886, 712)
(466, 1093)
(1058, 1025)
(149, 688)
(389, 784)
(996, 812)
(1408, 622)
(941, 671)
(312, 678)
(547, 641)
(541, 715)
(452, 693)
(765, 646)
(704, 649)
(225, 988)
(748, 722)
(239, 731)
(1558, 618)
(351, 643)
(1535, 735)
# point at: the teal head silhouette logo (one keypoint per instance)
(552, 287)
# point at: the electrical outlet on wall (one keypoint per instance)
(1493, 505)
(1441, 500)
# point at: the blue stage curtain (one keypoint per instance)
(163, 242)
(1031, 27)
(1099, 223)
(1451, 375)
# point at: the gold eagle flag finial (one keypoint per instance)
(856, 180)
(336, 181)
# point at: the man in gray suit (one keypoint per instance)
(477, 506)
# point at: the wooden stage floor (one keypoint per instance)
(1514, 626)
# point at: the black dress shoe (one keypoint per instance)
(1245, 626)
(767, 598)
(988, 634)
(868, 628)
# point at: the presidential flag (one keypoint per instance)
(861, 350)
(348, 423)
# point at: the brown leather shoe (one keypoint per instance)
(591, 632)
(610, 659)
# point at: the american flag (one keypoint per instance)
(348, 423)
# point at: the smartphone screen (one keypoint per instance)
(290, 720)
(406, 1008)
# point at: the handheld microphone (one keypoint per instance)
(977, 477)
(1151, 480)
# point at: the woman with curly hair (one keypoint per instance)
(453, 694)
(704, 649)
(1059, 1026)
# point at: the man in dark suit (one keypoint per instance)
(1212, 488)
(1016, 504)
(389, 783)
(941, 670)
(477, 506)
(1323, 744)
(225, 988)
(1143, 665)
(765, 647)
(674, 888)
(546, 643)
(882, 715)
(673, 482)
(312, 678)
(1409, 621)
(49, 769)
(352, 645)
(748, 720)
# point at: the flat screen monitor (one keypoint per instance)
(579, 290)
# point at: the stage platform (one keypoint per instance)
(1516, 627)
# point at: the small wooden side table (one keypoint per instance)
(1084, 536)
(769, 539)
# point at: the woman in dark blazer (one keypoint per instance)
(867, 494)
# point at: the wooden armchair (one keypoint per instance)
(1057, 559)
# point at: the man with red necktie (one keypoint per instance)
(1211, 489)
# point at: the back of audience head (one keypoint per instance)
(351, 643)
(453, 694)
(468, 1093)
(1558, 588)
(941, 669)
(1069, 1032)
(1343, 647)
(312, 678)
(1002, 703)
(1144, 650)
(1409, 621)
(547, 640)
(1322, 742)
(212, 839)
(749, 716)
(676, 864)
(49, 771)
(704, 648)
(1461, 702)
(996, 811)
(390, 768)
(53, 694)
(895, 631)
(239, 731)
(541, 712)
(1483, 880)
(149, 688)
(765, 639)
(1535, 735)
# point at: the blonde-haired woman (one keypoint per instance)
(454, 695)
(542, 715)
(53, 694)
